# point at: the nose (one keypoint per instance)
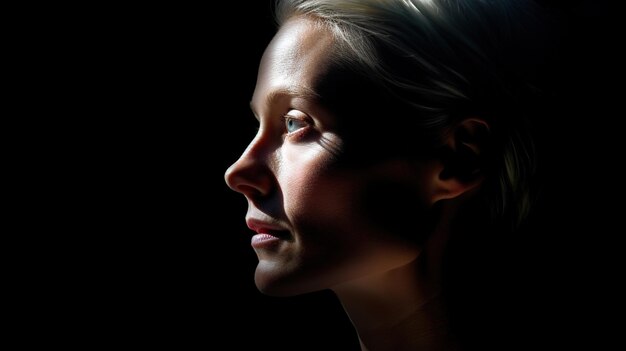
(250, 175)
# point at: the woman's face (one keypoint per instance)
(317, 222)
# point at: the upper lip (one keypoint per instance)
(261, 226)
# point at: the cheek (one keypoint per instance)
(385, 201)
(309, 185)
(341, 219)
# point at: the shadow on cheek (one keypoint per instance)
(395, 208)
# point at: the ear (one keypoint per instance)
(459, 168)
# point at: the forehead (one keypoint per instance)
(295, 60)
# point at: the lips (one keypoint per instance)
(268, 235)
(267, 228)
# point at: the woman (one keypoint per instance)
(391, 141)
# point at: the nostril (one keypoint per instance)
(252, 179)
(235, 176)
(250, 191)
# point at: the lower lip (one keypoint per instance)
(263, 240)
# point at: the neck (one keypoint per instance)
(401, 309)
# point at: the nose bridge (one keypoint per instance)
(255, 152)
(251, 172)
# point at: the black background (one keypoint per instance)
(162, 255)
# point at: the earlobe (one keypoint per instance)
(459, 167)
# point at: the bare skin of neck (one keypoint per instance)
(402, 309)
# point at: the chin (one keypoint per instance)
(273, 279)
(272, 283)
(274, 290)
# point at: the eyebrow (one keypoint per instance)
(300, 92)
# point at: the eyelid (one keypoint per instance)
(288, 117)
(304, 117)
(300, 119)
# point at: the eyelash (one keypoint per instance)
(300, 132)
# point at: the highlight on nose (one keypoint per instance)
(229, 176)
(235, 176)
(248, 177)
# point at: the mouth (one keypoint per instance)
(267, 234)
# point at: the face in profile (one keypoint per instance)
(318, 222)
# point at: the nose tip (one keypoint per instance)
(229, 177)
(249, 177)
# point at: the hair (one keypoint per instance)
(436, 62)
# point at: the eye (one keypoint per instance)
(293, 124)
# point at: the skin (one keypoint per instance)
(324, 213)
